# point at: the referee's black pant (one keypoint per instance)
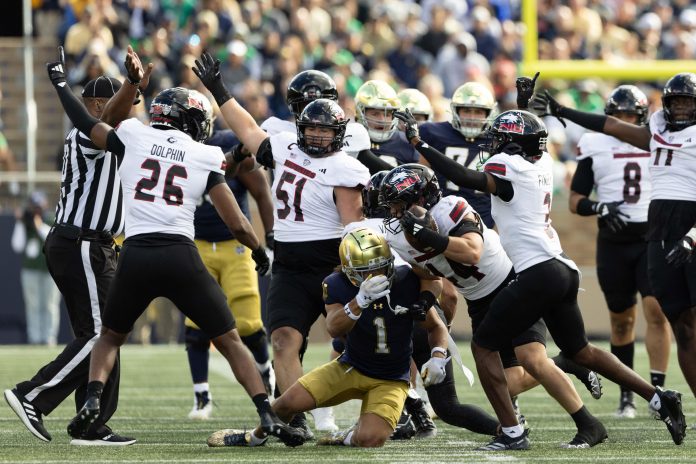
(82, 268)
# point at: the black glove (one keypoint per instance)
(270, 240)
(544, 105)
(208, 71)
(525, 90)
(612, 215)
(263, 264)
(56, 69)
(239, 154)
(420, 308)
(420, 229)
(410, 124)
(682, 252)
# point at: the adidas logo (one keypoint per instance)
(323, 171)
(58, 68)
(29, 409)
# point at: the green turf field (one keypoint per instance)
(156, 396)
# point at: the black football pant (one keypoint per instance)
(82, 271)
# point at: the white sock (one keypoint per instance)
(263, 367)
(256, 441)
(513, 432)
(201, 387)
(348, 439)
(413, 394)
(655, 402)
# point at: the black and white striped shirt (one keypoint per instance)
(90, 192)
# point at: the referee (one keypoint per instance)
(81, 259)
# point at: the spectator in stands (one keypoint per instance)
(458, 62)
(90, 27)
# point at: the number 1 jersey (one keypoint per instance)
(164, 174)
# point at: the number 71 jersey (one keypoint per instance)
(303, 190)
(164, 174)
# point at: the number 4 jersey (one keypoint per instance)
(620, 173)
(303, 187)
(164, 174)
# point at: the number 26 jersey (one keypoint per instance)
(303, 190)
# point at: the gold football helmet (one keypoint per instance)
(378, 95)
(417, 102)
(365, 252)
(472, 95)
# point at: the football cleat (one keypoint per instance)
(425, 427)
(105, 437)
(30, 416)
(671, 413)
(202, 406)
(324, 420)
(78, 426)
(405, 428)
(588, 437)
(290, 436)
(593, 383)
(504, 442)
(300, 422)
(520, 417)
(234, 437)
(337, 438)
(627, 408)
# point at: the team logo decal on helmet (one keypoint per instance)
(511, 123)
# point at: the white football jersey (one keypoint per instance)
(672, 161)
(164, 174)
(620, 173)
(303, 189)
(376, 224)
(524, 222)
(355, 140)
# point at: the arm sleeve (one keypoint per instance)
(503, 189)
(214, 178)
(115, 146)
(583, 179)
(373, 162)
(264, 156)
(453, 171)
(591, 121)
(75, 110)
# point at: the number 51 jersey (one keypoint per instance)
(303, 190)
(164, 174)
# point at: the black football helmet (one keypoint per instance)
(321, 113)
(628, 99)
(412, 184)
(681, 85)
(186, 110)
(518, 132)
(306, 87)
(372, 208)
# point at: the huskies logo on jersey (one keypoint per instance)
(511, 123)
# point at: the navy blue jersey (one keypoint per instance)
(379, 345)
(206, 220)
(446, 139)
(396, 150)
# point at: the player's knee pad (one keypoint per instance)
(619, 303)
(196, 339)
(338, 344)
(258, 345)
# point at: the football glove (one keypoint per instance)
(263, 264)
(419, 228)
(410, 124)
(682, 252)
(433, 372)
(372, 289)
(525, 90)
(545, 105)
(208, 71)
(56, 69)
(611, 214)
(419, 309)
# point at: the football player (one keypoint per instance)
(306, 87)
(473, 107)
(316, 192)
(375, 103)
(370, 303)
(230, 263)
(519, 176)
(415, 101)
(620, 174)
(464, 251)
(159, 257)
(670, 137)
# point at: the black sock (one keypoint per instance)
(657, 378)
(258, 345)
(95, 388)
(583, 418)
(262, 403)
(413, 404)
(625, 355)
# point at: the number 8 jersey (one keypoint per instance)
(303, 190)
(620, 173)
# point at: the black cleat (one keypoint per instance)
(593, 383)
(272, 425)
(30, 416)
(405, 428)
(234, 437)
(588, 437)
(425, 427)
(78, 426)
(504, 442)
(104, 437)
(671, 413)
(300, 422)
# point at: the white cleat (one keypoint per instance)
(324, 420)
(202, 406)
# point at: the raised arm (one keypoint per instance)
(239, 120)
(119, 106)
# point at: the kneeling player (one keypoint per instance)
(370, 303)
